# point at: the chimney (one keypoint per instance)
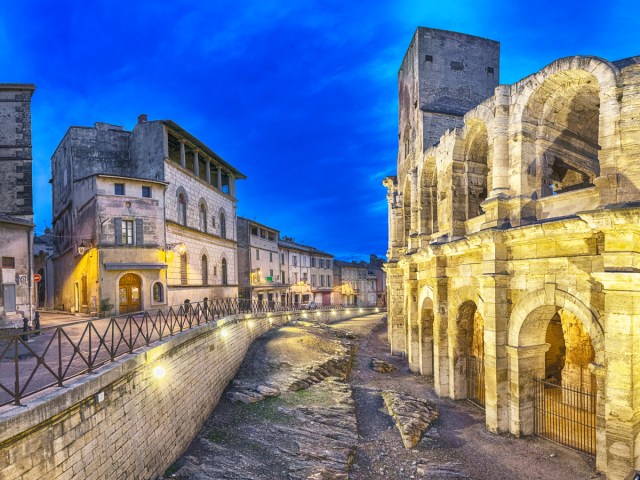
(142, 118)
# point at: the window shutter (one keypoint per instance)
(117, 227)
(139, 231)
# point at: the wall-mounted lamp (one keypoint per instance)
(83, 247)
(179, 247)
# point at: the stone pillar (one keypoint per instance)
(219, 178)
(183, 159)
(395, 309)
(232, 185)
(622, 376)
(500, 167)
(415, 211)
(525, 364)
(208, 174)
(196, 164)
(494, 284)
(412, 332)
(440, 333)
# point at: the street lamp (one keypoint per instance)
(82, 247)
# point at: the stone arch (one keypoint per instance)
(428, 197)
(222, 216)
(527, 348)
(130, 286)
(406, 208)
(203, 210)
(182, 206)
(428, 332)
(566, 117)
(477, 166)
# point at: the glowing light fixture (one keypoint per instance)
(159, 372)
(224, 333)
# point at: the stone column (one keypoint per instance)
(494, 284)
(415, 209)
(208, 171)
(219, 178)
(395, 308)
(232, 185)
(196, 164)
(183, 159)
(440, 332)
(412, 331)
(500, 167)
(525, 364)
(622, 376)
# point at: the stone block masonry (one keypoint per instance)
(124, 423)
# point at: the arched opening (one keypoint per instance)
(561, 125)
(42, 289)
(204, 263)
(129, 298)
(553, 387)
(158, 293)
(223, 225)
(427, 351)
(203, 216)
(182, 209)
(225, 280)
(476, 168)
(468, 354)
(428, 198)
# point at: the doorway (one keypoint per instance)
(129, 293)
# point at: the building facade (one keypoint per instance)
(16, 205)
(142, 219)
(261, 273)
(512, 238)
(356, 283)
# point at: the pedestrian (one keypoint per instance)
(25, 328)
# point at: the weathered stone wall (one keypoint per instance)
(143, 423)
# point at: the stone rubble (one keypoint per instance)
(381, 366)
(412, 416)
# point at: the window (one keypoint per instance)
(182, 209)
(322, 263)
(282, 277)
(223, 226)
(271, 236)
(282, 258)
(205, 270)
(189, 159)
(328, 280)
(294, 261)
(158, 293)
(313, 261)
(146, 193)
(127, 232)
(271, 274)
(224, 272)
(328, 263)
(8, 262)
(119, 188)
(313, 280)
(174, 150)
(271, 256)
(254, 231)
(203, 217)
(322, 280)
(257, 254)
(183, 269)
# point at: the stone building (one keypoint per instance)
(261, 274)
(513, 226)
(355, 283)
(16, 204)
(141, 219)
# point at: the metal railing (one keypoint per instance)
(565, 415)
(35, 360)
(475, 380)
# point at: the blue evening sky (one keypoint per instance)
(299, 95)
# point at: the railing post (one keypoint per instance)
(17, 373)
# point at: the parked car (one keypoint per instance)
(308, 305)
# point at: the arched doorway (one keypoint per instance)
(553, 348)
(129, 293)
(42, 289)
(468, 354)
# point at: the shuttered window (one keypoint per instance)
(139, 231)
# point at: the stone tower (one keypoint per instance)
(443, 75)
(16, 197)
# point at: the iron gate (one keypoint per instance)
(565, 415)
(475, 380)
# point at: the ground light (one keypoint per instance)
(224, 333)
(159, 372)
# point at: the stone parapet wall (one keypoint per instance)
(123, 422)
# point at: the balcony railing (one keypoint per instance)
(33, 361)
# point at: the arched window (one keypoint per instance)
(203, 216)
(183, 268)
(182, 209)
(158, 293)
(205, 270)
(223, 225)
(224, 272)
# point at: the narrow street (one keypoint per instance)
(311, 433)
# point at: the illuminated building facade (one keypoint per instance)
(141, 219)
(513, 236)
